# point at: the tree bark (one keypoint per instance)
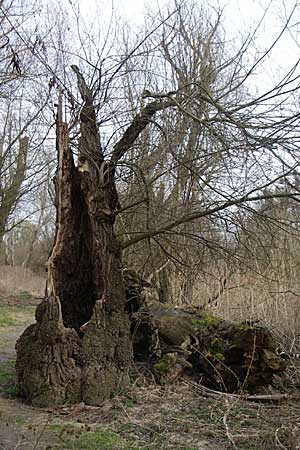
(80, 347)
(10, 192)
(226, 356)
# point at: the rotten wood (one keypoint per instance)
(80, 347)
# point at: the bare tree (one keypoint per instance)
(23, 163)
(195, 142)
(211, 156)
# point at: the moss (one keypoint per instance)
(100, 383)
(165, 363)
(206, 321)
(73, 392)
(81, 437)
(105, 440)
(215, 349)
(219, 356)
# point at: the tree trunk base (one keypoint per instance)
(55, 365)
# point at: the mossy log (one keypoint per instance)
(227, 356)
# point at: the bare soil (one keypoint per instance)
(181, 416)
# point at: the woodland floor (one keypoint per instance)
(147, 417)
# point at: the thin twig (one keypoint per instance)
(41, 434)
(228, 433)
(278, 440)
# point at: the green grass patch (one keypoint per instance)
(80, 437)
(24, 295)
(8, 378)
(11, 316)
(7, 319)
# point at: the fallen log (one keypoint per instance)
(227, 356)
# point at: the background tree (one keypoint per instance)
(197, 166)
(23, 162)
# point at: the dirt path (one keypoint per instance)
(14, 318)
(8, 338)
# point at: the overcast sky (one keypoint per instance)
(239, 17)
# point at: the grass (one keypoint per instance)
(7, 318)
(8, 378)
(12, 316)
(25, 296)
(73, 435)
(178, 417)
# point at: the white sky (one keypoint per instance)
(242, 15)
(239, 15)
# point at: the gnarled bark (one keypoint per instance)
(80, 347)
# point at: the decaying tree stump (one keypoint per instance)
(172, 342)
(80, 347)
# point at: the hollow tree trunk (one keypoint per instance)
(80, 347)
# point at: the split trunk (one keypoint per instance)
(80, 347)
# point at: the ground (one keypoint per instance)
(182, 416)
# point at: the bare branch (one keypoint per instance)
(138, 124)
(204, 213)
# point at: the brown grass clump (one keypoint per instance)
(15, 280)
(269, 298)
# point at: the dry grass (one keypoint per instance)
(271, 298)
(253, 298)
(180, 417)
(15, 280)
(256, 298)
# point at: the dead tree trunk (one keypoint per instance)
(80, 347)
